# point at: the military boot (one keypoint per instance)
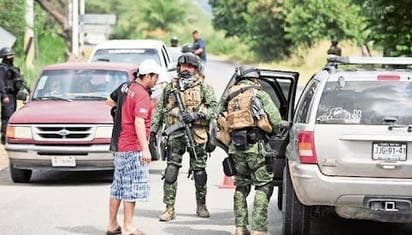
(242, 231)
(259, 233)
(169, 214)
(202, 211)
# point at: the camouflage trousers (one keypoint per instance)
(177, 147)
(251, 170)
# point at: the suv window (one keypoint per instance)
(356, 103)
(302, 114)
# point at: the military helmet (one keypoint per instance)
(6, 51)
(335, 41)
(247, 71)
(174, 39)
(188, 58)
(188, 47)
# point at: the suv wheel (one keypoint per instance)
(19, 175)
(296, 216)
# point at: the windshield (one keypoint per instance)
(136, 56)
(78, 84)
(366, 102)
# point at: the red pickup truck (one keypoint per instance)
(65, 124)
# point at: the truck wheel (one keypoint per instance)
(19, 175)
(296, 216)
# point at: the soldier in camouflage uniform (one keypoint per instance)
(247, 147)
(200, 103)
(334, 49)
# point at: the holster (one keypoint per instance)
(239, 139)
(229, 166)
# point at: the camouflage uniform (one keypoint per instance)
(166, 111)
(250, 165)
(334, 50)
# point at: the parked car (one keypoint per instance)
(136, 51)
(65, 124)
(350, 144)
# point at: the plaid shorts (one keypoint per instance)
(131, 177)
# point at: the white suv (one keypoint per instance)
(136, 51)
(350, 144)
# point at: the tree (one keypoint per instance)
(389, 25)
(310, 21)
(260, 24)
(160, 14)
(13, 20)
(58, 10)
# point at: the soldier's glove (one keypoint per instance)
(190, 117)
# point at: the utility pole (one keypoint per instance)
(29, 42)
(81, 35)
(75, 28)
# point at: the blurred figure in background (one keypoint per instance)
(199, 49)
(334, 49)
(174, 41)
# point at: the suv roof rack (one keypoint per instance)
(333, 59)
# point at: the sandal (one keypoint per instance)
(116, 231)
(135, 232)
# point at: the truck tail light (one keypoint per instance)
(306, 148)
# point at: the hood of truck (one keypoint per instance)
(51, 111)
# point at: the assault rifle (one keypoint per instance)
(188, 134)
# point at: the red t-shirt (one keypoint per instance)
(137, 104)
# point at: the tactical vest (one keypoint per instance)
(13, 81)
(239, 114)
(192, 98)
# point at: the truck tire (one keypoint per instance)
(19, 175)
(296, 216)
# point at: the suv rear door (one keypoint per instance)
(281, 86)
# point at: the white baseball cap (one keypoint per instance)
(149, 66)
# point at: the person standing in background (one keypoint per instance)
(199, 49)
(174, 41)
(130, 146)
(334, 49)
(11, 82)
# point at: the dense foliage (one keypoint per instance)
(273, 28)
(389, 25)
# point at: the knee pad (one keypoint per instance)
(267, 189)
(171, 173)
(200, 178)
(245, 190)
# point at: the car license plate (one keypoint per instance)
(63, 161)
(389, 151)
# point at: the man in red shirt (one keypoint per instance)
(130, 145)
